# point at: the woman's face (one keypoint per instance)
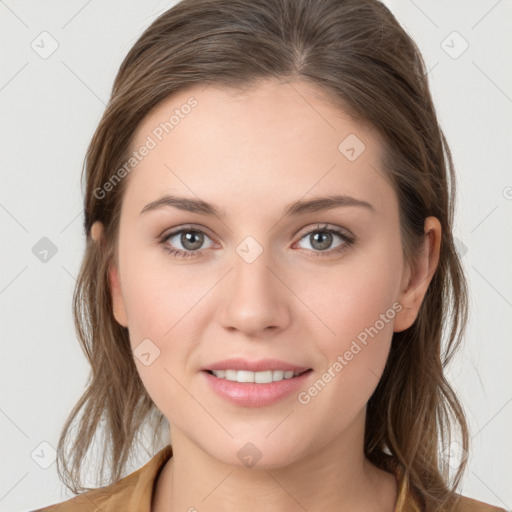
(273, 280)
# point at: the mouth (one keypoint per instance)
(255, 383)
(257, 377)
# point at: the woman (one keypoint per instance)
(270, 271)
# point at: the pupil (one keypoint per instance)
(191, 240)
(325, 242)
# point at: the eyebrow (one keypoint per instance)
(296, 208)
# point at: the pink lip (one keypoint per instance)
(249, 394)
(254, 366)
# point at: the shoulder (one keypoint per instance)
(465, 504)
(410, 501)
(86, 502)
(104, 498)
(132, 493)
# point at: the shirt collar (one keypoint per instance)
(135, 492)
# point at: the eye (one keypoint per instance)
(188, 242)
(320, 240)
(185, 242)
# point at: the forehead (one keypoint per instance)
(268, 139)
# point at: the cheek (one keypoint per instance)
(357, 305)
(165, 305)
(355, 296)
(161, 302)
(159, 295)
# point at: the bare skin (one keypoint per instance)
(251, 155)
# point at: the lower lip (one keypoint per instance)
(249, 394)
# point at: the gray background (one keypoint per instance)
(50, 108)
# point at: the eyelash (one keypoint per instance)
(347, 239)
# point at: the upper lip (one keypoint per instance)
(254, 366)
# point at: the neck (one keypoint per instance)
(337, 477)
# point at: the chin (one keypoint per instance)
(256, 452)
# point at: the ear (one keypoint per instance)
(117, 296)
(417, 276)
(113, 279)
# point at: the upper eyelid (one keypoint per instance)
(339, 230)
(174, 231)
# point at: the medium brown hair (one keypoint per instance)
(356, 53)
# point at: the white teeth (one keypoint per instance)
(244, 376)
(263, 377)
(230, 374)
(277, 375)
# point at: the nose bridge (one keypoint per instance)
(253, 300)
(251, 268)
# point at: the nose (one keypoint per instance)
(255, 300)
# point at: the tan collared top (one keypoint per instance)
(134, 493)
